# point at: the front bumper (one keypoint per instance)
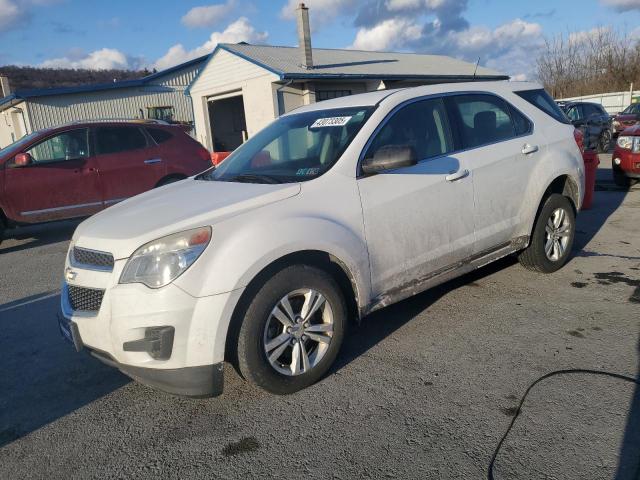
(629, 162)
(118, 333)
(200, 382)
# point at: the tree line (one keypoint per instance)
(23, 78)
(598, 61)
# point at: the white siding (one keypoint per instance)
(226, 73)
(12, 124)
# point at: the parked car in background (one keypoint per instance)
(76, 170)
(333, 211)
(594, 122)
(626, 157)
(627, 118)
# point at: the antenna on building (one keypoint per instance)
(476, 69)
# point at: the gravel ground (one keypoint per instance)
(422, 389)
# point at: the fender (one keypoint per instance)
(252, 245)
(561, 163)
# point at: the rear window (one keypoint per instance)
(542, 100)
(159, 136)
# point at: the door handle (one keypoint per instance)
(151, 161)
(527, 149)
(460, 174)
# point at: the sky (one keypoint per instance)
(132, 34)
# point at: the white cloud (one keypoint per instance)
(387, 35)
(103, 59)
(321, 12)
(440, 27)
(207, 15)
(11, 14)
(239, 31)
(622, 5)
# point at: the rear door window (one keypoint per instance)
(119, 139)
(483, 119)
(71, 145)
(422, 125)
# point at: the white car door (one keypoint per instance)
(418, 220)
(500, 149)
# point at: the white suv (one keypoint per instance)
(333, 211)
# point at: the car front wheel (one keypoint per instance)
(552, 237)
(292, 330)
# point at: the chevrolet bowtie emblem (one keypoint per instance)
(70, 274)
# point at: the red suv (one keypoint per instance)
(626, 157)
(77, 170)
(627, 118)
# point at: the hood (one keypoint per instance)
(124, 227)
(633, 131)
(626, 117)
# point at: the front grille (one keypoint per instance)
(85, 299)
(83, 257)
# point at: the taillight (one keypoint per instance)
(579, 137)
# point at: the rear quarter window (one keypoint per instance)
(159, 135)
(540, 99)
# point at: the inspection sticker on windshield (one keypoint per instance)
(331, 122)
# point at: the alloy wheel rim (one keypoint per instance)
(557, 234)
(298, 332)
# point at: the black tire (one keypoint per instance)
(620, 179)
(168, 180)
(534, 257)
(252, 360)
(2, 228)
(604, 142)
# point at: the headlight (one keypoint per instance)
(625, 142)
(161, 261)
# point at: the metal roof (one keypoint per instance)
(41, 92)
(335, 63)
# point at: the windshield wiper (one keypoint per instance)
(254, 178)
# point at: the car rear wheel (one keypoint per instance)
(552, 237)
(292, 330)
(604, 142)
(168, 180)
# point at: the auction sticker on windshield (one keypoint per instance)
(331, 122)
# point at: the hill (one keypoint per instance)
(22, 78)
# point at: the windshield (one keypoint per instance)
(634, 108)
(18, 144)
(294, 148)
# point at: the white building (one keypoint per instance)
(242, 87)
(160, 96)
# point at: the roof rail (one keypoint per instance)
(116, 120)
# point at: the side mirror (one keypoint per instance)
(390, 157)
(22, 160)
(578, 123)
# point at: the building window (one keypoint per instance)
(328, 94)
(160, 113)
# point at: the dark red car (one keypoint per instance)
(627, 118)
(626, 157)
(77, 170)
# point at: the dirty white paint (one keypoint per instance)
(395, 233)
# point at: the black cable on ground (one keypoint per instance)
(524, 397)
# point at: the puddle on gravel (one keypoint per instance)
(619, 277)
(575, 333)
(245, 445)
